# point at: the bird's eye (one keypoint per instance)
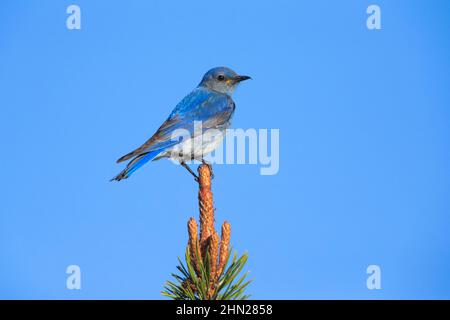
(220, 77)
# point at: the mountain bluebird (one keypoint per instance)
(209, 104)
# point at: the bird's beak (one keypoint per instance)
(238, 79)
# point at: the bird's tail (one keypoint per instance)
(135, 164)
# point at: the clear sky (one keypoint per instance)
(364, 145)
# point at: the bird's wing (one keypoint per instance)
(213, 109)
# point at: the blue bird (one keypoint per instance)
(210, 104)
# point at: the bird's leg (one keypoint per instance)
(189, 169)
(210, 167)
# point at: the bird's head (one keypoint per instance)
(222, 79)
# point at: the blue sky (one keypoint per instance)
(364, 145)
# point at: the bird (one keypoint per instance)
(210, 104)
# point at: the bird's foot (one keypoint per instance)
(189, 170)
